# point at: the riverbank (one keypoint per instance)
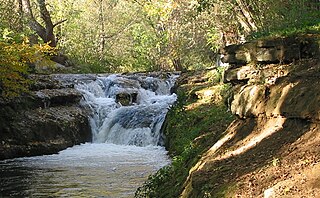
(126, 115)
(46, 120)
(199, 118)
(271, 147)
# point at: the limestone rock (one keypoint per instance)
(239, 74)
(291, 97)
(289, 90)
(45, 121)
(249, 101)
(271, 50)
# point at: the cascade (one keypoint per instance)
(128, 109)
(127, 114)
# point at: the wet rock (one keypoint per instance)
(126, 99)
(45, 121)
(56, 97)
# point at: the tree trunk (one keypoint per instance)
(45, 33)
(177, 64)
(20, 14)
(244, 16)
(33, 23)
(102, 30)
(45, 15)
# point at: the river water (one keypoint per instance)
(126, 146)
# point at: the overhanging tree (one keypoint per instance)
(45, 31)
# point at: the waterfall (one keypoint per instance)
(128, 109)
(127, 112)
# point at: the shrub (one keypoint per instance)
(15, 64)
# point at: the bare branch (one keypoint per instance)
(59, 22)
(139, 3)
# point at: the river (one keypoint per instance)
(127, 145)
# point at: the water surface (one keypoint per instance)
(88, 170)
(125, 148)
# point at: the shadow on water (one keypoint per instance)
(16, 179)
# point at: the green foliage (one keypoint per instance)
(9, 18)
(15, 60)
(286, 32)
(198, 121)
(253, 19)
(143, 53)
(213, 39)
(18, 57)
(12, 71)
(102, 36)
(216, 75)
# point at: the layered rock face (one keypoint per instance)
(46, 120)
(277, 93)
(277, 50)
(289, 90)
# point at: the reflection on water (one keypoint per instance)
(88, 170)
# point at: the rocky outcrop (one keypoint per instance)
(290, 90)
(276, 50)
(46, 120)
(290, 97)
(275, 140)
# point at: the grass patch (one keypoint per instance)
(287, 32)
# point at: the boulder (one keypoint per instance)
(126, 99)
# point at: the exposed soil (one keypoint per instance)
(286, 162)
(295, 172)
(267, 155)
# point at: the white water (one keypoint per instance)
(138, 124)
(126, 146)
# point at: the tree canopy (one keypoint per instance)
(143, 35)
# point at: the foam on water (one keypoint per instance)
(138, 124)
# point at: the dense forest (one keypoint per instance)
(95, 36)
